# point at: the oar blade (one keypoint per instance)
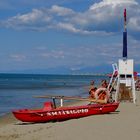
(71, 98)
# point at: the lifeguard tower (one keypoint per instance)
(125, 89)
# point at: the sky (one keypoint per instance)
(66, 36)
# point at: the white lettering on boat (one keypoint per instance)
(66, 112)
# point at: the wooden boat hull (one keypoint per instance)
(63, 113)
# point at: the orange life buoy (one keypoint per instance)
(102, 94)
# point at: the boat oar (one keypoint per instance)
(71, 98)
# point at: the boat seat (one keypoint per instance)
(48, 106)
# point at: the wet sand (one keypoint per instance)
(124, 124)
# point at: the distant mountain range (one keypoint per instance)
(66, 70)
(102, 69)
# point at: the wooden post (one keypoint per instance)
(54, 102)
(61, 102)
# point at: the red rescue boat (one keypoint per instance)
(49, 113)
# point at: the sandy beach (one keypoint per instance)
(124, 124)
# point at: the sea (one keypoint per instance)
(18, 90)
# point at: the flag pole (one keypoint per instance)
(124, 55)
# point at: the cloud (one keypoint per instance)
(61, 11)
(134, 23)
(86, 55)
(18, 57)
(80, 56)
(36, 19)
(106, 15)
(71, 28)
(102, 18)
(53, 54)
(112, 3)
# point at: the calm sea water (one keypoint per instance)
(17, 90)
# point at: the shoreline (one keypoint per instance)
(123, 124)
(7, 119)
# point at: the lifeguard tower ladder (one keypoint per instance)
(114, 77)
(125, 89)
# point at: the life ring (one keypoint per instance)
(101, 94)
